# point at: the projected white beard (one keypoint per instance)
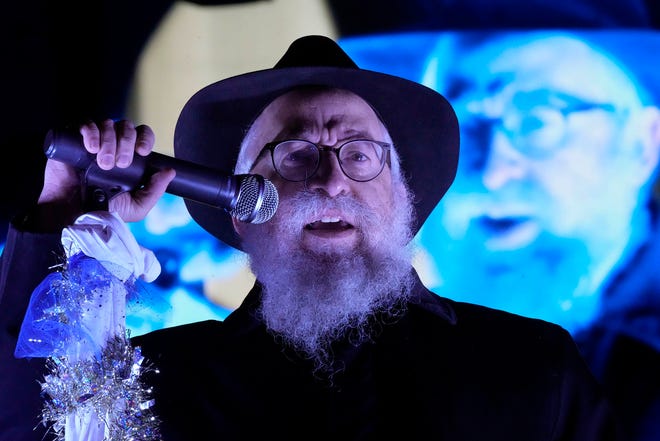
(312, 298)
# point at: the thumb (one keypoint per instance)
(134, 206)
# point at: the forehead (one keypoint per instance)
(309, 110)
(555, 63)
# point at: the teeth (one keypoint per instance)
(329, 219)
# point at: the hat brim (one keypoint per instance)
(421, 122)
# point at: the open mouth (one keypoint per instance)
(501, 225)
(507, 233)
(329, 223)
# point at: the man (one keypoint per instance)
(338, 338)
(553, 214)
(551, 197)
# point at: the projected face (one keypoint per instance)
(551, 167)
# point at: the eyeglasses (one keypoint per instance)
(536, 130)
(297, 159)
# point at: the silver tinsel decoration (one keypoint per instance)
(108, 386)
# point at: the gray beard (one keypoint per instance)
(313, 298)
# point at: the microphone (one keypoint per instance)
(248, 198)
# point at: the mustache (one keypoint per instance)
(310, 205)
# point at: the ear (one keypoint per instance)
(648, 126)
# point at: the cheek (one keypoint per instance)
(573, 179)
(377, 194)
(387, 200)
(285, 189)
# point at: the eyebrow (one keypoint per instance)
(559, 99)
(460, 84)
(304, 127)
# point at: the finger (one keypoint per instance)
(126, 136)
(106, 155)
(146, 139)
(91, 136)
(150, 194)
(134, 207)
(155, 188)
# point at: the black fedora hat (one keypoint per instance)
(421, 122)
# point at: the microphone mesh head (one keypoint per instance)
(257, 200)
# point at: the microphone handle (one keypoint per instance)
(192, 181)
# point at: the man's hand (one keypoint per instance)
(115, 144)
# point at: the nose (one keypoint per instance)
(329, 177)
(504, 162)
